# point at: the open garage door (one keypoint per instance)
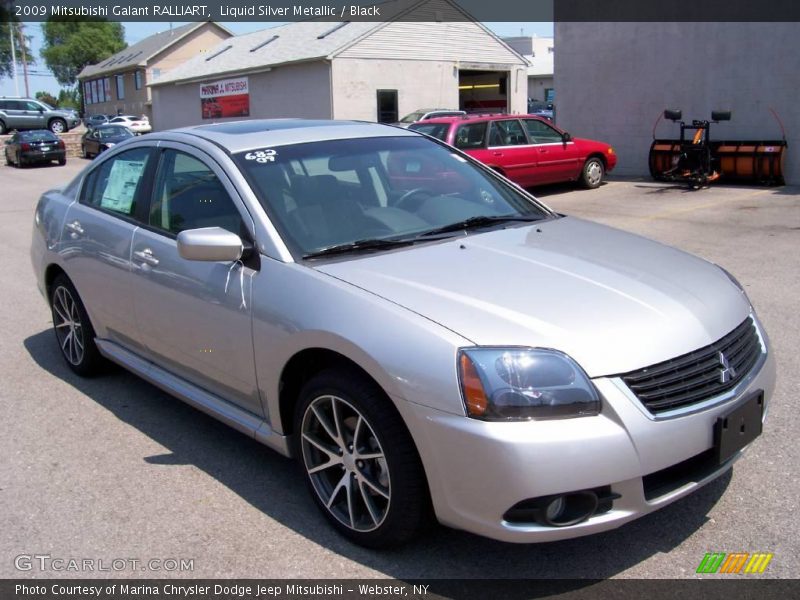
(483, 91)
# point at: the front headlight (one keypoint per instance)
(520, 384)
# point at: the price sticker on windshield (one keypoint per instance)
(262, 156)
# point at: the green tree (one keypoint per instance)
(69, 45)
(47, 98)
(69, 98)
(6, 65)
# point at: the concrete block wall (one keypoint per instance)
(615, 79)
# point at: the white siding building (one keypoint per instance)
(352, 70)
(540, 54)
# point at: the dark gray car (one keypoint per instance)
(101, 138)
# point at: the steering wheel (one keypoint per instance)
(407, 197)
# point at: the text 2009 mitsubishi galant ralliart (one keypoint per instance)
(424, 336)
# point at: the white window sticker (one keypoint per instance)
(262, 156)
(121, 187)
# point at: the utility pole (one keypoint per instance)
(24, 60)
(13, 56)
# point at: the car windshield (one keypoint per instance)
(46, 105)
(113, 132)
(410, 118)
(437, 130)
(391, 189)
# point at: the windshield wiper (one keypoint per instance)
(481, 221)
(368, 244)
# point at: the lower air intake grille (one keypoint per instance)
(698, 375)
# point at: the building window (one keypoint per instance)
(120, 87)
(137, 79)
(549, 94)
(155, 74)
(387, 106)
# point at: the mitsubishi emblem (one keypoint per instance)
(727, 372)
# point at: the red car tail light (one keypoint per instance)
(25, 146)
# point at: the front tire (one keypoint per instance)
(593, 173)
(57, 126)
(359, 460)
(74, 331)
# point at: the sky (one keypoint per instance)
(40, 79)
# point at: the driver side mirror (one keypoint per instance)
(210, 244)
(566, 136)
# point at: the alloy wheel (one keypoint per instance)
(345, 463)
(68, 326)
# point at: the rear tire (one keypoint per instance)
(3, 129)
(593, 173)
(74, 331)
(359, 461)
(62, 162)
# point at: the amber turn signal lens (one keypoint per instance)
(474, 396)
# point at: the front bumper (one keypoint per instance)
(478, 470)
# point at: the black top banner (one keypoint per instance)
(405, 10)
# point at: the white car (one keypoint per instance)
(135, 124)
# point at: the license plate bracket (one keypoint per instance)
(742, 425)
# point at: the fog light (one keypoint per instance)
(554, 509)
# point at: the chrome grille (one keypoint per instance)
(698, 375)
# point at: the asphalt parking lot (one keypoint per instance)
(114, 468)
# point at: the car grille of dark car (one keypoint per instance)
(698, 375)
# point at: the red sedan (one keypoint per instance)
(527, 149)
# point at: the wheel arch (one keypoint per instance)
(305, 364)
(597, 154)
(52, 271)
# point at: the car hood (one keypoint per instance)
(613, 301)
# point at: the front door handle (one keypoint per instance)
(146, 256)
(75, 229)
(497, 153)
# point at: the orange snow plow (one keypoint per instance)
(698, 160)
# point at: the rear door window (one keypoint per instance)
(116, 185)
(470, 136)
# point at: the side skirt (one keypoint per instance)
(213, 405)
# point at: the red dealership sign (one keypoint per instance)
(226, 98)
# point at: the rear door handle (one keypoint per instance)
(75, 229)
(146, 256)
(497, 153)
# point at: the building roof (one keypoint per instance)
(294, 42)
(142, 51)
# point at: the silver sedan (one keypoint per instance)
(422, 335)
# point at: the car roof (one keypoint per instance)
(478, 118)
(239, 136)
